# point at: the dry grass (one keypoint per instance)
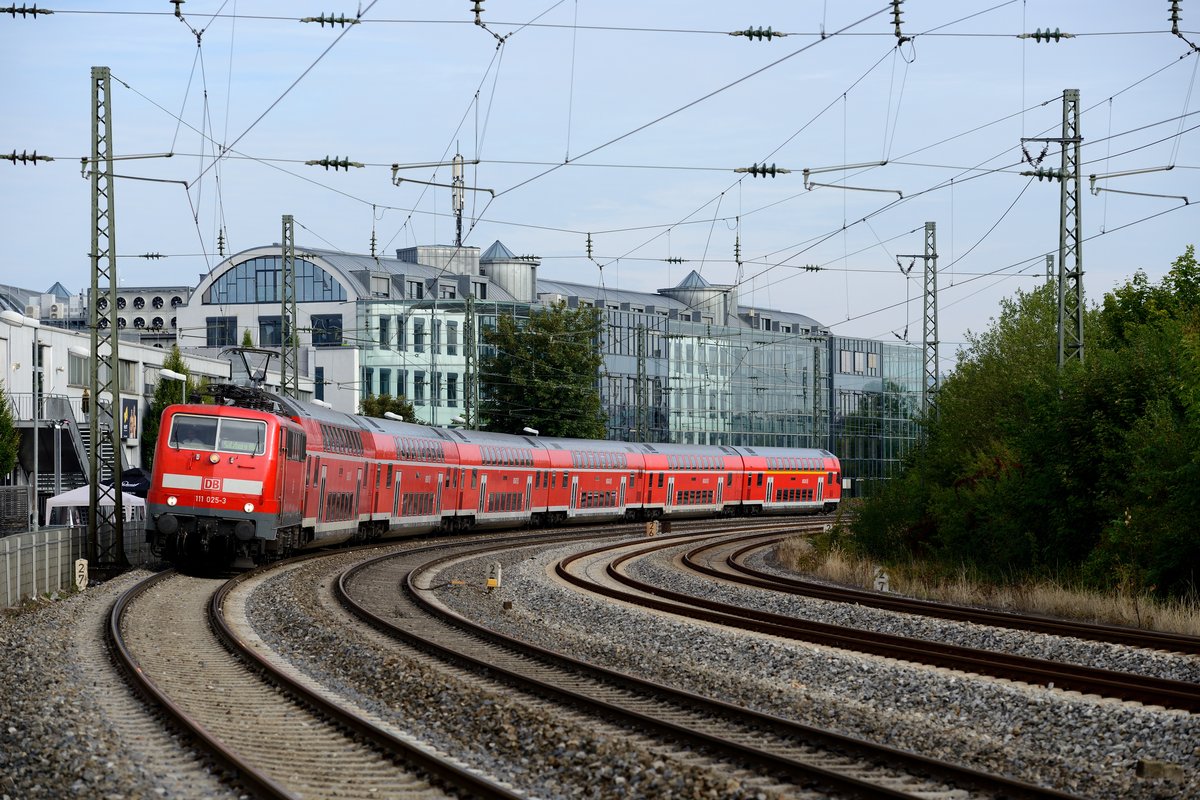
(1050, 599)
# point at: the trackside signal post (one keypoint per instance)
(929, 388)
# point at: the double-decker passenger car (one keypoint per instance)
(260, 476)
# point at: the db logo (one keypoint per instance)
(213, 484)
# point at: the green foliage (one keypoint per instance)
(167, 392)
(247, 339)
(10, 439)
(1030, 470)
(377, 404)
(544, 374)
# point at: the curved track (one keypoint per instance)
(1088, 680)
(171, 636)
(735, 562)
(814, 762)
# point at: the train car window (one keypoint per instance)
(388, 485)
(660, 480)
(537, 480)
(553, 480)
(759, 482)
(474, 477)
(565, 479)
(729, 479)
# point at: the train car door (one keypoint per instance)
(482, 492)
(322, 506)
(721, 491)
(820, 488)
(574, 492)
(769, 498)
(357, 489)
(621, 498)
(669, 500)
(396, 496)
(440, 479)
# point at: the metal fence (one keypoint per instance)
(40, 562)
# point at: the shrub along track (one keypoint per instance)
(809, 759)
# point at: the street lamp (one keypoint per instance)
(530, 431)
(393, 415)
(171, 374)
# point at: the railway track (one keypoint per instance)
(262, 724)
(735, 562)
(621, 586)
(808, 760)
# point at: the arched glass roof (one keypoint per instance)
(259, 280)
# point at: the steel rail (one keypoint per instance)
(1088, 680)
(765, 722)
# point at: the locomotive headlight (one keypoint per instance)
(172, 500)
(248, 507)
(214, 458)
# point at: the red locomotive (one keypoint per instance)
(262, 476)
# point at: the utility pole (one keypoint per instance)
(289, 342)
(1070, 238)
(930, 384)
(457, 197)
(106, 556)
(1070, 230)
(1049, 267)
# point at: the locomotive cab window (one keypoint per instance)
(246, 436)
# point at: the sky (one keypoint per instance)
(619, 123)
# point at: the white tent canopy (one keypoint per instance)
(71, 508)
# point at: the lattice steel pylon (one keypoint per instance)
(642, 418)
(929, 339)
(1070, 237)
(289, 339)
(106, 530)
(471, 367)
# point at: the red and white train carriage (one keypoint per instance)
(244, 482)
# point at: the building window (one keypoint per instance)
(845, 361)
(270, 331)
(128, 376)
(436, 390)
(220, 331)
(418, 335)
(260, 280)
(416, 290)
(435, 343)
(860, 362)
(77, 370)
(383, 335)
(451, 338)
(402, 383)
(446, 292)
(452, 390)
(385, 381)
(419, 388)
(319, 383)
(872, 363)
(326, 330)
(380, 285)
(401, 334)
(479, 290)
(368, 381)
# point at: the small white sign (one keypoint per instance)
(81, 574)
(881, 580)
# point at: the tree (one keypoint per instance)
(375, 405)
(1087, 470)
(166, 393)
(10, 439)
(247, 339)
(543, 374)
